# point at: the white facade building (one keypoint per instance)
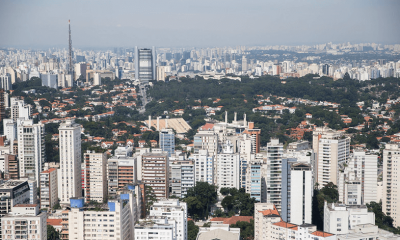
(357, 183)
(228, 168)
(274, 172)
(70, 161)
(204, 166)
(172, 209)
(31, 152)
(339, 218)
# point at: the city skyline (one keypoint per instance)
(41, 24)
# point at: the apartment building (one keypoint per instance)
(24, 222)
(204, 166)
(274, 174)
(228, 168)
(155, 173)
(70, 161)
(95, 176)
(181, 177)
(357, 183)
(48, 188)
(390, 201)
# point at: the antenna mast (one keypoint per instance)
(71, 69)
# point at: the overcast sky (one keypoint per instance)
(200, 23)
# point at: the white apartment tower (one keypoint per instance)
(70, 160)
(274, 172)
(390, 200)
(204, 166)
(173, 209)
(357, 183)
(95, 176)
(31, 152)
(228, 168)
(331, 148)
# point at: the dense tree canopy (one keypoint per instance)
(199, 200)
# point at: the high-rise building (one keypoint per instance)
(390, 200)
(121, 170)
(10, 129)
(228, 168)
(70, 160)
(155, 173)
(49, 80)
(330, 149)
(19, 109)
(206, 140)
(181, 177)
(274, 172)
(5, 82)
(145, 64)
(48, 188)
(244, 64)
(175, 210)
(357, 183)
(167, 141)
(11, 167)
(204, 166)
(95, 176)
(254, 180)
(297, 192)
(113, 222)
(31, 152)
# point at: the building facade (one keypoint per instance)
(95, 176)
(155, 173)
(48, 188)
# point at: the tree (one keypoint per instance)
(193, 230)
(238, 201)
(150, 198)
(200, 198)
(52, 234)
(246, 229)
(328, 193)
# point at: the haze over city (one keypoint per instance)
(176, 23)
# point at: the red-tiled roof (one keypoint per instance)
(321, 234)
(233, 219)
(284, 224)
(54, 222)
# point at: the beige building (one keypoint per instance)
(95, 176)
(155, 173)
(48, 188)
(391, 201)
(330, 148)
(24, 222)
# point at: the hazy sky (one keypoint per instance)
(201, 23)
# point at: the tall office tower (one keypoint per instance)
(116, 219)
(173, 209)
(206, 140)
(357, 183)
(297, 192)
(181, 177)
(70, 65)
(145, 64)
(95, 176)
(391, 201)
(204, 166)
(228, 168)
(70, 160)
(31, 152)
(330, 149)
(5, 82)
(25, 222)
(19, 109)
(167, 141)
(48, 188)
(274, 172)
(155, 173)
(244, 64)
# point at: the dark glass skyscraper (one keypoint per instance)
(145, 64)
